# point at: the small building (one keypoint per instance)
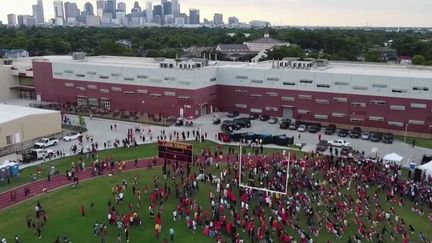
(405, 60)
(233, 51)
(264, 43)
(20, 124)
(15, 53)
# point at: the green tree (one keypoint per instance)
(372, 56)
(419, 60)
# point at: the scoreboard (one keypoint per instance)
(175, 151)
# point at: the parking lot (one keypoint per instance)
(101, 132)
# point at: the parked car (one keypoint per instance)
(343, 133)
(322, 146)
(264, 117)
(293, 126)
(217, 121)
(365, 135)
(355, 132)
(302, 128)
(229, 125)
(233, 114)
(314, 129)
(285, 124)
(34, 154)
(330, 129)
(345, 150)
(339, 143)
(253, 116)
(46, 142)
(243, 122)
(72, 136)
(375, 137)
(273, 120)
(388, 138)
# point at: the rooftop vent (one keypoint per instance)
(79, 55)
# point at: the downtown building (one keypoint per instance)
(378, 97)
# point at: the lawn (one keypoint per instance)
(63, 209)
(140, 152)
(420, 142)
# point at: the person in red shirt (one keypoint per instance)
(82, 210)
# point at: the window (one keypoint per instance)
(256, 96)
(242, 106)
(418, 106)
(356, 120)
(338, 115)
(341, 83)
(69, 85)
(81, 88)
(170, 78)
(155, 95)
(376, 118)
(129, 93)
(93, 102)
(118, 89)
(358, 104)
(340, 99)
(129, 79)
(321, 117)
(377, 102)
(184, 82)
(103, 77)
(395, 124)
(360, 88)
(115, 74)
(397, 107)
(91, 86)
(322, 101)
(142, 91)
(106, 104)
(91, 73)
(79, 75)
(141, 76)
(323, 86)
(9, 140)
(58, 73)
(416, 122)
(287, 98)
(272, 79)
(289, 83)
(305, 97)
(213, 80)
(420, 88)
(104, 91)
(155, 80)
(399, 91)
(169, 93)
(68, 71)
(257, 81)
(184, 98)
(272, 94)
(256, 110)
(306, 81)
(269, 108)
(303, 112)
(241, 77)
(379, 85)
(82, 101)
(240, 91)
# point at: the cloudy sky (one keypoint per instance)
(283, 12)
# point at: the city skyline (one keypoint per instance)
(279, 12)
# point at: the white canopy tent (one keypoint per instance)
(393, 158)
(427, 168)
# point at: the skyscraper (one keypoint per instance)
(71, 11)
(88, 9)
(175, 6)
(58, 9)
(12, 20)
(136, 9)
(121, 6)
(233, 21)
(167, 8)
(194, 16)
(218, 19)
(100, 6)
(158, 12)
(38, 12)
(110, 8)
(149, 11)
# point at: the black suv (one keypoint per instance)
(285, 124)
(314, 128)
(343, 133)
(375, 137)
(253, 116)
(388, 138)
(232, 114)
(264, 117)
(322, 146)
(229, 125)
(356, 132)
(330, 129)
(243, 122)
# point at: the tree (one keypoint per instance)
(419, 60)
(372, 56)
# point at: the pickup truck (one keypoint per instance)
(339, 143)
(35, 154)
(46, 142)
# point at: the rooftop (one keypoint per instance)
(13, 112)
(266, 40)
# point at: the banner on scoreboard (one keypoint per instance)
(175, 151)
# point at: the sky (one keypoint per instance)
(413, 13)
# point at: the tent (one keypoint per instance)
(393, 158)
(427, 168)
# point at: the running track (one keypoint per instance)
(60, 181)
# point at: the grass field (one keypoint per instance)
(420, 142)
(140, 152)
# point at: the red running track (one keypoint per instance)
(59, 181)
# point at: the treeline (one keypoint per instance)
(334, 44)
